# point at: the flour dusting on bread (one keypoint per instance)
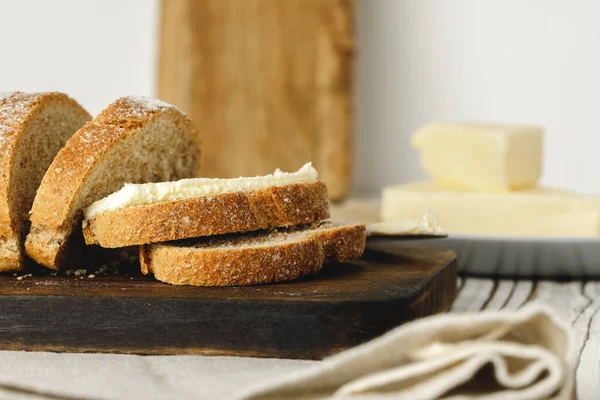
(14, 108)
(149, 102)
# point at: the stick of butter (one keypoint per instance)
(481, 157)
(535, 212)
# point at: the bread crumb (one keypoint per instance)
(80, 272)
(24, 276)
(69, 272)
(91, 276)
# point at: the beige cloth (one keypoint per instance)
(94, 376)
(524, 354)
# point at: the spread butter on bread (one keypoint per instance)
(160, 212)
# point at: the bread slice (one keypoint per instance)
(134, 139)
(33, 128)
(253, 258)
(205, 207)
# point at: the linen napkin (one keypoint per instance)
(523, 354)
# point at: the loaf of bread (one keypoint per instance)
(127, 178)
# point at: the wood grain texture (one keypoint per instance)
(474, 295)
(340, 307)
(267, 82)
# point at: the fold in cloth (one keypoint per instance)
(524, 354)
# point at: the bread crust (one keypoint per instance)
(55, 212)
(17, 109)
(275, 206)
(183, 264)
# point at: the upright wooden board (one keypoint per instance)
(267, 82)
(340, 307)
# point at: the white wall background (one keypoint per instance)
(534, 61)
(93, 50)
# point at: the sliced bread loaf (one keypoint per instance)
(253, 258)
(33, 128)
(133, 140)
(160, 212)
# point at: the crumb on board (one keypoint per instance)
(112, 267)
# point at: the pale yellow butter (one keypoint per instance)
(149, 193)
(536, 212)
(481, 157)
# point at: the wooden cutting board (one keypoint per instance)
(342, 306)
(267, 82)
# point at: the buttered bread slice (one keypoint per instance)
(134, 139)
(253, 258)
(33, 128)
(160, 212)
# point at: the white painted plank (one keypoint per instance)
(504, 289)
(519, 295)
(587, 375)
(569, 302)
(565, 297)
(474, 294)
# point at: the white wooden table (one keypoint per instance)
(578, 302)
